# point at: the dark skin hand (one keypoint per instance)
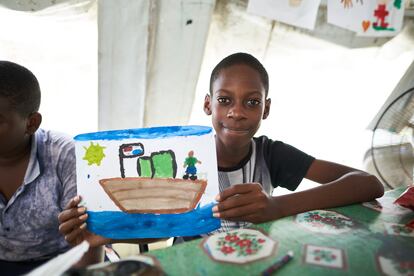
(244, 202)
(248, 202)
(72, 225)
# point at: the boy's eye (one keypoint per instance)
(223, 100)
(253, 102)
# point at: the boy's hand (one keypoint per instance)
(245, 202)
(72, 225)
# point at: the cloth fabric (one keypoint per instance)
(190, 161)
(19, 268)
(29, 220)
(270, 163)
(191, 170)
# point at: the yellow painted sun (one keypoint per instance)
(94, 154)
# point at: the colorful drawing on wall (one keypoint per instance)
(299, 13)
(327, 222)
(349, 3)
(380, 18)
(295, 3)
(239, 246)
(325, 256)
(133, 188)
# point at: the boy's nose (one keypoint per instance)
(236, 112)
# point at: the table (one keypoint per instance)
(367, 242)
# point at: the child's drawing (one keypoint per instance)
(131, 150)
(293, 12)
(128, 179)
(94, 154)
(378, 18)
(154, 195)
(295, 3)
(189, 164)
(349, 4)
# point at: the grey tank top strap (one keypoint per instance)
(261, 171)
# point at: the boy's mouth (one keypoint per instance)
(235, 130)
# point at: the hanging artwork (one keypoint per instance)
(239, 246)
(300, 13)
(149, 182)
(379, 18)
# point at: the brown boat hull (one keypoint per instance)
(154, 195)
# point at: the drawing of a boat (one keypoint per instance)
(154, 195)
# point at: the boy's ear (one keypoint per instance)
(267, 108)
(207, 104)
(33, 122)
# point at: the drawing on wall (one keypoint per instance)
(380, 18)
(298, 13)
(349, 3)
(295, 3)
(133, 188)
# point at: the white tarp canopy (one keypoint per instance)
(154, 60)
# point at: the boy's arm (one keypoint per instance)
(342, 186)
(67, 174)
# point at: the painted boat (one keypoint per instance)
(154, 195)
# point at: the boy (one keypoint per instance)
(250, 168)
(237, 103)
(37, 175)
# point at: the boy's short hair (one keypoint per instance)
(241, 58)
(20, 86)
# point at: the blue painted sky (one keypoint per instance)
(145, 133)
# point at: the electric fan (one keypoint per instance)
(391, 156)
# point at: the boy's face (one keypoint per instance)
(237, 105)
(13, 128)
